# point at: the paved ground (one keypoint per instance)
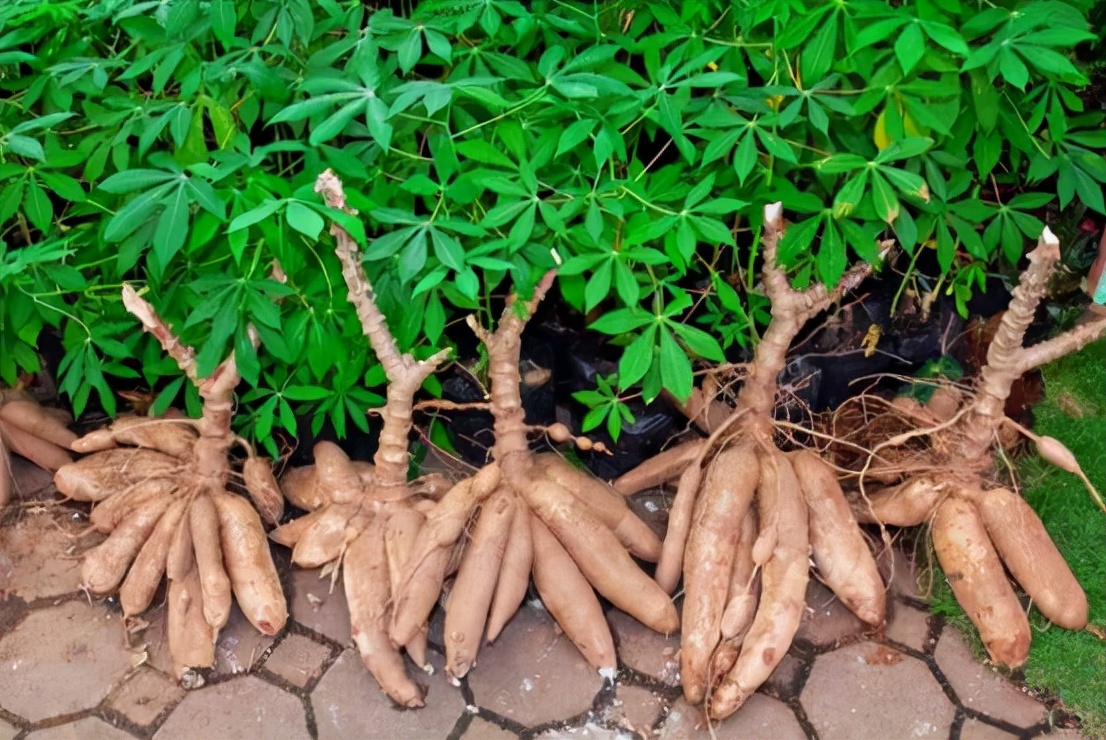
(65, 671)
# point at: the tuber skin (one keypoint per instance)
(951, 483)
(29, 430)
(363, 518)
(159, 492)
(573, 532)
(744, 596)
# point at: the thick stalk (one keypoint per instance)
(1004, 356)
(405, 374)
(504, 352)
(217, 390)
(791, 310)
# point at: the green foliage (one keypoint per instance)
(633, 144)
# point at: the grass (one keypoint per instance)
(1071, 665)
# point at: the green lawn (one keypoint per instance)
(1069, 664)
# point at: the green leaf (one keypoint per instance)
(575, 134)
(676, 372)
(598, 286)
(25, 146)
(448, 250)
(130, 217)
(907, 148)
(38, 207)
(838, 163)
(621, 321)
(254, 215)
(413, 257)
(699, 341)
(335, 124)
(1013, 69)
(910, 47)
(304, 220)
(745, 158)
(818, 54)
(625, 283)
(946, 36)
(798, 238)
(720, 145)
(832, 256)
(387, 245)
(223, 19)
(637, 358)
(907, 182)
(884, 198)
(986, 152)
(172, 227)
(130, 180)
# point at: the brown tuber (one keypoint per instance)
(951, 483)
(159, 492)
(32, 431)
(746, 516)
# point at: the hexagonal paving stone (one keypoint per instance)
(7, 732)
(532, 673)
(81, 642)
(298, 660)
(973, 729)
(980, 688)
(482, 729)
(82, 729)
(899, 571)
(145, 696)
(37, 557)
(643, 649)
(348, 703)
(32, 483)
(316, 607)
(784, 681)
(826, 619)
(872, 691)
(907, 625)
(239, 649)
(638, 709)
(588, 731)
(760, 717)
(244, 707)
(240, 646)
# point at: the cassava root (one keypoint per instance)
(746, 517)
(159, 490)
(979, 525)
(32, 431)
(364, 517)
(529, 514)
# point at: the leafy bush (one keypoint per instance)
(631, 143)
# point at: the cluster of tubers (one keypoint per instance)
(39, 433)
(159, 489)
(746, 517)
(978, 525)
(746, 521)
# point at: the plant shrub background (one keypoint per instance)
(175, 144)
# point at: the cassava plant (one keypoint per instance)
(747, 515)
(160, 494)
(526, 514)
(364, 517)
(941, 471)
(38, 433)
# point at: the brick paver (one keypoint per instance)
(840, 680)
(61, 660)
